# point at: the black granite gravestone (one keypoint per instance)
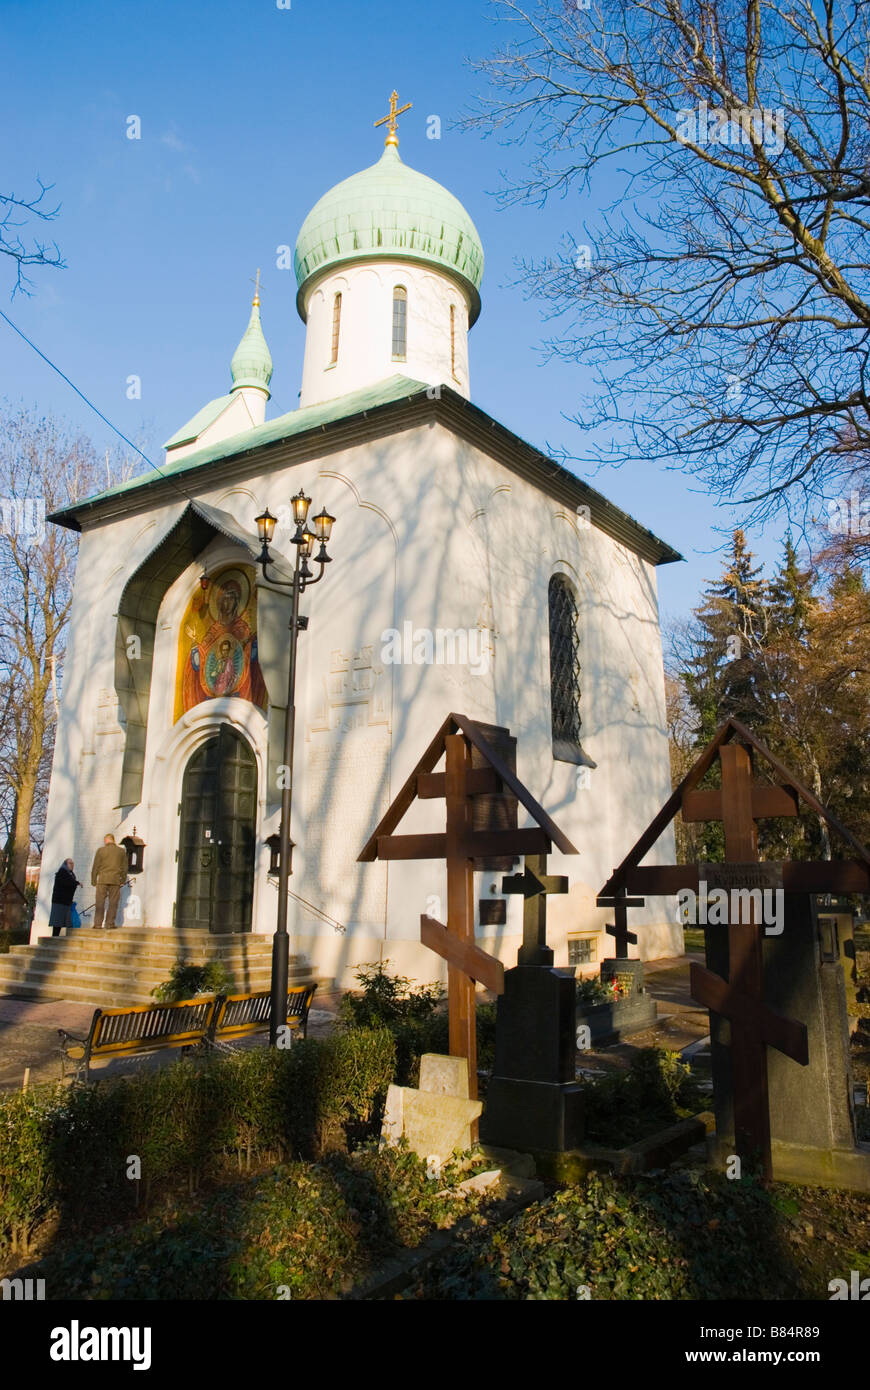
(533, 1100)
(630, 1012)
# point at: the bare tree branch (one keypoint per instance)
(723, 293)
(15, 213)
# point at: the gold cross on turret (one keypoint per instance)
(392, 137)
(256, 301)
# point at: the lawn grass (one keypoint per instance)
(693, 939)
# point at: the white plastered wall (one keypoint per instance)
(432, 532)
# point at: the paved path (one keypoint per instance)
(28, 1030)
(28, 1038)
(681, 1022)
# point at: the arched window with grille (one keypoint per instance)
(400, 323)
(565, 671)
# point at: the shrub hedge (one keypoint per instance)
(415, 1015)
(68, 1151)
(656, 1090)
(303, 1230)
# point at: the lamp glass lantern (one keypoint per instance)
(300, 504)
(323, 524)
(266, 524)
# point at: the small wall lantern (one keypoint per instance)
(274, 843)
(135, 847)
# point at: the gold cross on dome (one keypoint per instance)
(392, 137)
(256, 301)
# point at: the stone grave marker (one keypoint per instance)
(435, 1118)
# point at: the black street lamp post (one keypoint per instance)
(303, 579)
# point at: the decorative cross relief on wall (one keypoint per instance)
(354, 695)
(347, 788)
(109, 714)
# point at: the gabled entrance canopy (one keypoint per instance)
(185, 538)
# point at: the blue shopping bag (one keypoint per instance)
(74, 918)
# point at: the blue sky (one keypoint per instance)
(249, 113)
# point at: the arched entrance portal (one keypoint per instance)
(216, 836)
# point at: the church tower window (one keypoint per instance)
(453, 340)
(336, 328)
(565, 671)
(400, 324)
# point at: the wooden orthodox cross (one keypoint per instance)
(739, 804)
(754, 1026)
(460, 845)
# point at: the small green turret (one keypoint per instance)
(252, 360)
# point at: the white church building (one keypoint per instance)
(469, 573)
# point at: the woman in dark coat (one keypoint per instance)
(62, 894)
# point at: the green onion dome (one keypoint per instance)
(392, 211)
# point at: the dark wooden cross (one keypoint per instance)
(754, 1026)
(620, 902)
(460, 845)
(739, 803)
(535, 884)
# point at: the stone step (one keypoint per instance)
(163, 937)
(78, 994)
(106, 946)
(123, 966)
(55, 982)
(88, 970)
(155, 974)
(134, 950)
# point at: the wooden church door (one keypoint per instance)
(216, 836)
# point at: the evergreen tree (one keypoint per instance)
(791, 594)
(790, 659)
(724, 677)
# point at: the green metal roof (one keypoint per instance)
(295, 422)
(386, 398)
(200, 421)
(390, 210)
(252, 360)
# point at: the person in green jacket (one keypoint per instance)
(108, 876)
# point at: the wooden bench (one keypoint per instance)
(216, 1019)
(240, 1014)
(139, 1028)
